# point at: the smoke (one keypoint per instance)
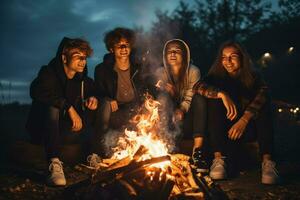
(149, 53)
(110, 141)
(169, 129)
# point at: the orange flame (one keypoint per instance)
(145, 134)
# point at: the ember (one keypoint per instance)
(141, 162)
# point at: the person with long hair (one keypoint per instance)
(177, 78)
(238, 109)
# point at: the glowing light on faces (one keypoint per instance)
(231, 60)
(122, 49)
(174, 55)
(76, 61)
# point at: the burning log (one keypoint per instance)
(142, 168)
(105, 177)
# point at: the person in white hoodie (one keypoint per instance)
(176, 79)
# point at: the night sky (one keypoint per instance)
(32, 29)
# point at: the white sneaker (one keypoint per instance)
(94, 161)
(269, 173)
(57, 176)
(217, 169)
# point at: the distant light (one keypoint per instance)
(267, 55)
(297, 108)
(295, 111)
(291, 49)
(291, 110)
(279, 110)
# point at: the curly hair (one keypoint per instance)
(246, 75)
(113, 37)
(77, 43)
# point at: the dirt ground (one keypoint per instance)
(23, 169)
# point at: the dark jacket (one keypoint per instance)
(106, 79)
(247, 99)
(52, 88)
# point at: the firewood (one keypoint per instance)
(166, 189)
(109, 161)
(190, 177)
(131, 191)
(120, 163)
(176, 190)
(182, 157)
(195, 195)
(141, 151)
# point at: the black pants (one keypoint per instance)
(260, 129)
(57, 131)
(118, 119)
(195, 120)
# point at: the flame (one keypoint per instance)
(145, 135)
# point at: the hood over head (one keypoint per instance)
(186, 55)
(57, 63)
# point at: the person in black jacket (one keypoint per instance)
(118, 79)
(64, 103)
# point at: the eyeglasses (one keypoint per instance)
(231, 57)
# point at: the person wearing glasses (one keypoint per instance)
(238, 110)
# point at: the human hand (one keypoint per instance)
(178, 115)
(170, 89)
(75, 118)
(237, 130)
(229, 105)
(114, 105)
(92, 103)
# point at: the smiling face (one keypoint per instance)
(122, 49)
(76, 60)
(174, 55)
(231, 60)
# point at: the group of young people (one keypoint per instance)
(228, 106)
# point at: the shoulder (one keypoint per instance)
(194, 70)
(161, 71)
(46, 71)
(103, 68)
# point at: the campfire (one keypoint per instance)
(143, 167)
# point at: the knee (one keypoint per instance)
(53, 113)
(199, 101)
(105, 106)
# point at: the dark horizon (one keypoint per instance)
(31, 32)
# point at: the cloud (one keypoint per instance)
(31, 30)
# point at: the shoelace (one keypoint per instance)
(271, 166)
(93, 159)
(56, 166)
(218, 162)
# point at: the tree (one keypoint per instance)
(236, 19)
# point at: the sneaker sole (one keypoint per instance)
(268, 180)
(218, 176)
(58, 184)
(202, 170)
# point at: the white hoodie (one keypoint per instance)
(192, 75)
